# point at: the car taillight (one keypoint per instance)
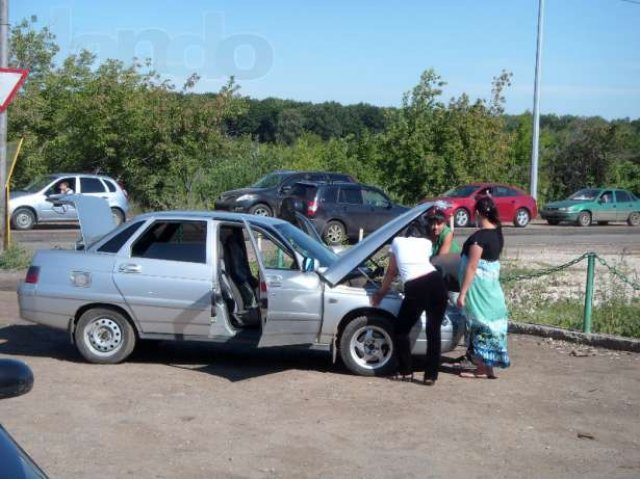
(124, 190)
(32, 275)
(312, 208)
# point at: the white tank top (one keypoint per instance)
(412, 257)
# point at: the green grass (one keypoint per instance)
(15, 258)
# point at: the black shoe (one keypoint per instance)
(428, 381)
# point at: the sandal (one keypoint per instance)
(398, 377)
(476, 375)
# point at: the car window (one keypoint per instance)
(274, 255)
(39, 183)
(351, 196)
(338, 177)
(500, 191)
(585, 194)
(329, 195)
(622, 196)
(318, 177)
(55, 188)
(91, 185)
(460, 192)
(114, 244)
(110, 185)
(269, 181)
(306, 192)
(176, 240)
(376, 199)
(305, 245)
(606, 197)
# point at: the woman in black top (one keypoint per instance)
(481, 295)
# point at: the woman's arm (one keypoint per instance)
(446, 244)
(389, 275)
(475, 252)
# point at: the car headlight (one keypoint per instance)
(245, 197)
(565, 209)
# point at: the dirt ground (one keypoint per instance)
(193, 410)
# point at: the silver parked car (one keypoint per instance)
(219, 277)
(32, 205)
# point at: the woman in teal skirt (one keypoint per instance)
(481, 295)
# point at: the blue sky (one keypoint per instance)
(370, 51)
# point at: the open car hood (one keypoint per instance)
(356, 255)
(94, 215)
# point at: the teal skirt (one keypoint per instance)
(487, 316)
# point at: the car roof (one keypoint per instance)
(71, 174)
(211, 214)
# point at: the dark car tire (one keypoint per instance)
(366, 346)
(461, 217)
(553, 222)
(634, 219)
(584, 219)
(104, 336)
(335, 233)
(23, 219)
(118, 216)
(261, 209)
(522, 218)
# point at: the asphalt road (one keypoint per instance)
(613, 238)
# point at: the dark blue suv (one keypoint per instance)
(340, 211)
(265, 196)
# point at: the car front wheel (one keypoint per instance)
(522, 218)
(23, 219)
(584, 219)
(335, 233)
(104, 336)
(461, 217)
(634, 219)
(366, 346)
(261, 209)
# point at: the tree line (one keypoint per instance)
(173, 148)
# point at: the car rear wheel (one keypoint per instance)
(522, 218)
(553, 222)
(366, 346)
(634, 219)
(118, 216)
(104, 336)
(584, 219)
(261, 209)
(23, 219)
(461, 217)
(335, 233)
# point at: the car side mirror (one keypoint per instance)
(16, 378)
(310, 264)
(285, 189)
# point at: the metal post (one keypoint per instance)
(536, 105)
(588, 295)
(4, 62)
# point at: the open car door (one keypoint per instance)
(290, 298)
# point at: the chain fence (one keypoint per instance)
(510, 278)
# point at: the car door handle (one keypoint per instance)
(129, 268)
(274, 280)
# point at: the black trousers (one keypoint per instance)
(423, 294)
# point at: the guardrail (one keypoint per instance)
(591, 264)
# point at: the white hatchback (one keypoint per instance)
(36, 203)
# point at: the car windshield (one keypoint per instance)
(39, 183)
(269, 181)
(585, 194)
(306, 246)
(460, 192)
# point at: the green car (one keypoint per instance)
(602, 205)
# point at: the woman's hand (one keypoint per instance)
(461, 301)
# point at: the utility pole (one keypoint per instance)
(4, 62)
(536, 105)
